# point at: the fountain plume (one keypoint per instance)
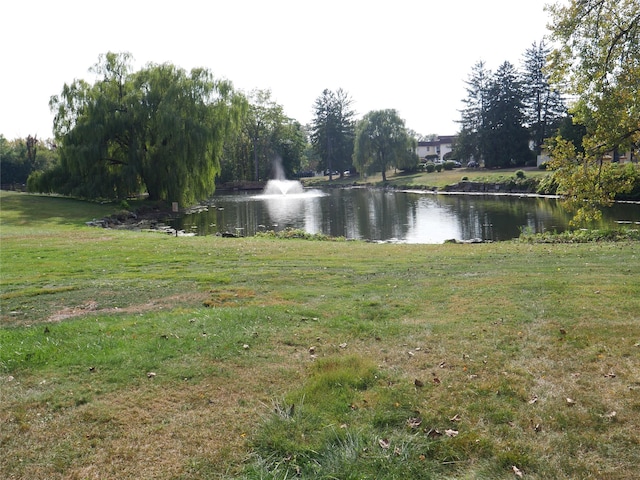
(279, 185)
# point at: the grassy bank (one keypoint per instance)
(437, 180)
(138, 355)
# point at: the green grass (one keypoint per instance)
(431, 180)
(140, 355)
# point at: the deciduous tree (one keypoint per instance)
(267, 135)
(598, 62)
(161, 129)
(381, 142)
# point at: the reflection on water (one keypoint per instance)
(381, 215)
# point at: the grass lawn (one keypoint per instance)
(129, 355)
(433, 180)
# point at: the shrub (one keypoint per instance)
(543, 166)
(296, 233)
(448, 165)
(430, 167)
(465, 179)
(438, 167)
(520, 174)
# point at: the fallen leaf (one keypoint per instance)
(442, 364)
(610, 375)
(610, 415)
(570, 402)
(397, 452)
(384, 443)
(455, 418)
(451, 433)
(517, 471)
(436, 380)
(245, 346)
(312, 350)
(418, 383)
(533, 400)
(537, 428)
(414, 422)
(433, 432)
(151, 374)
(343, 345)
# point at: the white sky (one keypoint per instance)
(411, 55)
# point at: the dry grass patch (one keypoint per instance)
(240, 296)
(154, 430)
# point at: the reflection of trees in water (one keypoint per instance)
(383, 215)
(504, 217)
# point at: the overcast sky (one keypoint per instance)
(411, 55)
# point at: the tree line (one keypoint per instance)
(508, 114)
(174, 134)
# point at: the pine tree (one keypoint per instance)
(332, 130)
(504, 138)
(473, 118)
(543, 105)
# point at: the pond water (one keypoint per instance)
(386, 215)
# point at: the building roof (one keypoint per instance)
(441, 140)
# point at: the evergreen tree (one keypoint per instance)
(332, 130)
(471, 135)
(505, 141)
(543, 104)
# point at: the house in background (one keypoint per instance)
(436, 150)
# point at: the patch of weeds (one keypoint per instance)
(294, 233)
(582, 236)
(348, 423)
(298, 427)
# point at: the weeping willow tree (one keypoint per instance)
(381, 142)
(161, 130)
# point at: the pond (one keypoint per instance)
(386, 215)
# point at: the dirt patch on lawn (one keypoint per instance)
(92, 307)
